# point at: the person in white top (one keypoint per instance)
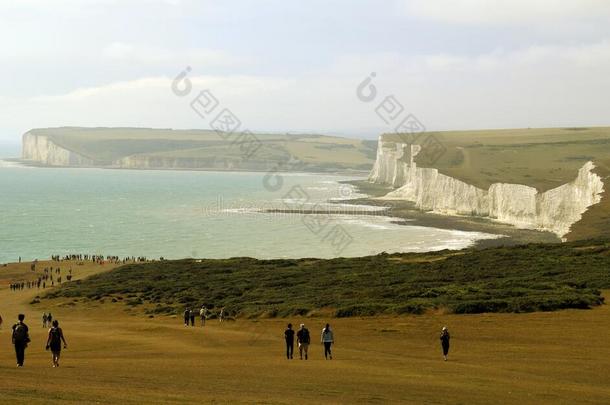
(327, 339)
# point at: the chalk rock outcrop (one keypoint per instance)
(522, 206)
(42, 150)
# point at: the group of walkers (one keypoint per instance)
(51, 275)
(48, 278)
(21, 339)
(327, 339)
(47, 320)
(303, 336)
(204, 313)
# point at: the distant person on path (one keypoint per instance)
(44, 319)
(56, 336)
(49, 319)
(20, 339)
(289, 336)
(202, 314)
(187, 315)
(445, 341)
(192, 315)
(327, 340)
(303, 340)
(221, 316)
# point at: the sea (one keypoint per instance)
(197, 214)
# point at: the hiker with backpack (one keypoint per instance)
(445, 341)
(327, 340)
(56, 336)
(303, 340)
(20, 339)
(289, 337)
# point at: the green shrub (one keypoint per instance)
(522, 278)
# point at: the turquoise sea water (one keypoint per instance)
(177, 214)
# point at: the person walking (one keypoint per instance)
(49, 319)
(202, 314)
(192, 314)
(20, 339)
(445, 342)
(303, 340)
(56, 336)
(221, 316)
(44, 319)
(327, 340)
(289, 337)
(187, 315)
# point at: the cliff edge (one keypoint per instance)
(523, 206)
(42, 150)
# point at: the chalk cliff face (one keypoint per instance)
(42, 150)
(522, 206)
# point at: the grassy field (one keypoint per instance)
(504, 279)
(118, 354)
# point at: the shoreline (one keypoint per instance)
(509, 235)
(26, 163)
(404, 213)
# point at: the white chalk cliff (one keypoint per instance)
(42, 150)
(522, 206)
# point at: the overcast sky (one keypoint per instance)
(295, 65)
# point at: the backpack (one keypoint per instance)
(305, 336)
(55, 337)
(20, 333)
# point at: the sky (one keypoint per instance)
(299, 66)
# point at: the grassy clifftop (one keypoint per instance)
(202, 149)
(543, 158)
(536, 277)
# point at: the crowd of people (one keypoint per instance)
(99, 259)
(47, 278)
(51, 276)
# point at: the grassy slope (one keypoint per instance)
(118, 356)
(507, 279)
(107, 145)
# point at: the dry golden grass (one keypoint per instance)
(118, 356)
